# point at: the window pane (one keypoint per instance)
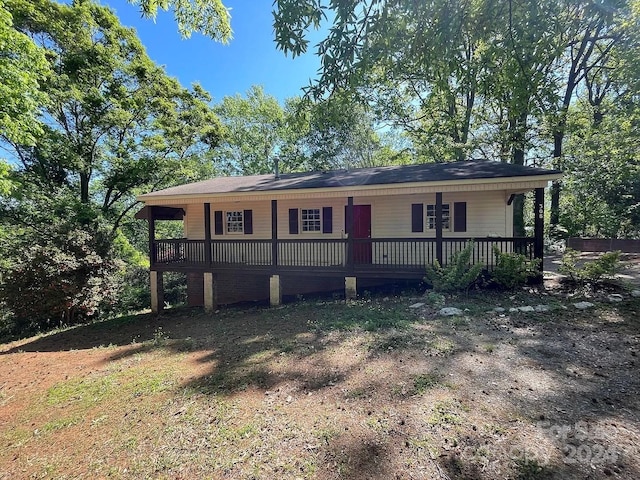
(310, 219)
(235, 222)
(446, 216)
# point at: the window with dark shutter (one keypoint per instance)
(217, 220)
(293, 220)
(460, 217)
(248, 222)
(327, 219)
(417, 219)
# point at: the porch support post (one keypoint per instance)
(207, 236)
(538, 246)
(274, 235)
(439, 227)
(210, 294)
(157, 292)
(350, 288)
(152, 236)
(350, 230)
(275, 291)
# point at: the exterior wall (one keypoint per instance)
(488, 215)
(194, 221)
(195, 289)
(237, 287)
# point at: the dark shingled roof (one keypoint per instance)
(427, 172)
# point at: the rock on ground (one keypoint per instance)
(527, 309)
(449, 311)
(615, 297)
(583, 305)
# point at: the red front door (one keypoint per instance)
(361, 229)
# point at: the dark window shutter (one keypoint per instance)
(460, 217)
(217, 220)
(327, 219)
(417, 217)
(293, 220)
(248, 222)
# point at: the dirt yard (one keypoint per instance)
(323, 389)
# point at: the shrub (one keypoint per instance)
(135, 293)
(594, 272)
(434, 299)
(135, 290)
(458, 275)
(513, 269)
(61, 277)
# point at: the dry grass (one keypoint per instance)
(370, 389)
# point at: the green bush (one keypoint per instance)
(458, 275)
(593, 272)
(135, 290)
(513, 269)
(60, 278)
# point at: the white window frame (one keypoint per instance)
(431, 216)
(305, 222)
(238, 220)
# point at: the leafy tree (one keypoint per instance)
(465, 79)
(22, 69)
(208, 17)
(254, 132)
(55, 270)
(592, 33)
(603, 194)
(337, 132)
(116, 123)
(340, 134)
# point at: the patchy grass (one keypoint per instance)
(365, 389)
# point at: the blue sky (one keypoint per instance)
(249, 59)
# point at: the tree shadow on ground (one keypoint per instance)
(582, 369)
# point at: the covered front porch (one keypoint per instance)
(353, 256)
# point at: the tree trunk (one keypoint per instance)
(518, 215)
(518, 128)
(84, 187)
(558, 136)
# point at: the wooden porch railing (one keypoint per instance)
(387, 255)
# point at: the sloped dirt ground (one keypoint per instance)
(324, 389)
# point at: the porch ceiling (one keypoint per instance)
(161, 213)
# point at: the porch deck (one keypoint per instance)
(368, 257)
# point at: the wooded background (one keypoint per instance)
(88, 122)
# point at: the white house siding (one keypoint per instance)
(488, 215)
(327, 254)
(194, 221)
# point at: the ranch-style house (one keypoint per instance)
(264, 236)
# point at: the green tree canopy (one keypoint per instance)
(116, 124)
(208, 17)
(255, 131)
(466, 79)
(22, 70)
